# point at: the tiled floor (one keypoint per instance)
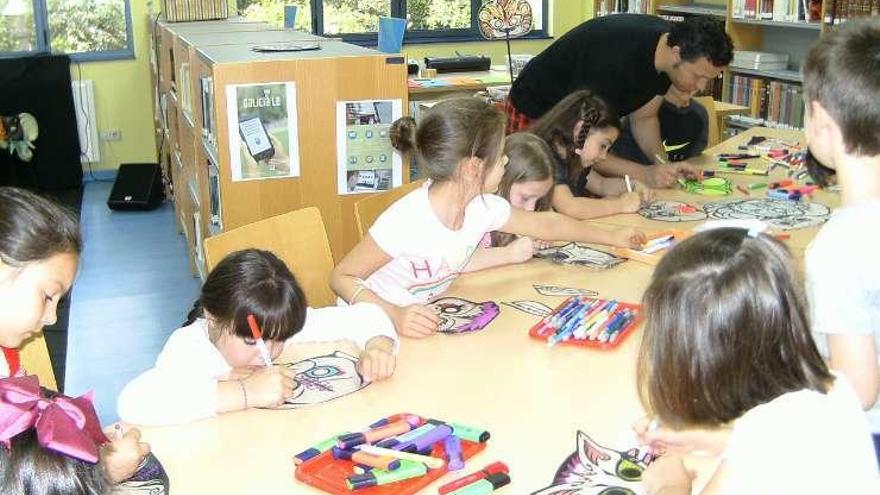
(133, 289)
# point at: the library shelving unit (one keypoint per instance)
(195, 63)
(789, 27)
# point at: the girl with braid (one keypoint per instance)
(580, 130)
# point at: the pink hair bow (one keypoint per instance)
(64, 424)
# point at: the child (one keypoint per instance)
(580, 130)
(528, 185)
(40, 245)
(422, 242)
(842, 88)
(726, 340)
(213, 364)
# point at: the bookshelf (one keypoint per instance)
(788, 27)
(199, 67)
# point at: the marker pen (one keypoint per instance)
(494, 468)
(431, 462)
(315, 450)
(469, 433)
(484, 486)
(372, 436)
(378, 477)
(452, 446)
(426, 440)
(383, 462)
(258, 339)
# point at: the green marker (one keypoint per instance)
(757, 185)
(469, 433)
(378, 477)
(485, 486)
(316, 450)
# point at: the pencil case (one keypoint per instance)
(539, 330)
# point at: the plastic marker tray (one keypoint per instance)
(624, 334)
(328, 474)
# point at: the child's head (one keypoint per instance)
(44, 449)
(580, 129)
(254, 282)
(39, 249)
(841, 90)
(457, 140)
(725, 330)
(528, 177)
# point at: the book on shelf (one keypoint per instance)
(778, 10)
(194, 10)
(209, 124)
(838, 11)
(752, 60)
(624, 6)
(774, 103)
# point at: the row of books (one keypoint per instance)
(838, 11)
(194, 10)
(778, 10)
(773, 103)
(624, 6)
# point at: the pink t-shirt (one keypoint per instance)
(427, 256)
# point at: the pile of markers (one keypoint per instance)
(736, 163)
(393, 451)
(588, 322)
(787, 189)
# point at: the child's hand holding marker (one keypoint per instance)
(627, 238)
(269, 386)
(521, 249)
(123, 454)
(416, 320)
(377, 362)
(662, 440)
(668, 475)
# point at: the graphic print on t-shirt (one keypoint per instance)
(439, 277)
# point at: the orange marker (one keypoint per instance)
(258, 338)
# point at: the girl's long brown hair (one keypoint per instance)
(557, 126)
(725, 330)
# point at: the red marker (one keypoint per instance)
(258, 338)
(494, 468)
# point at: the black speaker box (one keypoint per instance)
(461, 63)
(138, 186)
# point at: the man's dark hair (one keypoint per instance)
(701, 36)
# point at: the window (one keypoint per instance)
(356, 20)
(85, 29)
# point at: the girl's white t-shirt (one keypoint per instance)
(803, 442)
(426, 255)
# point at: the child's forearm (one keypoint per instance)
(484, 258)
(231, 396)
(352, 290)
(588, 208)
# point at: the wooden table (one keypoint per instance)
(532, 399)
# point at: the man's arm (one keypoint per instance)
(645, 126)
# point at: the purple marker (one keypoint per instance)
(427, 439)
(452, 446)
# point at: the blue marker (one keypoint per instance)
(614, 325)
(575, 318)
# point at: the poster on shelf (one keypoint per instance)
(263, 138)
(366, 161)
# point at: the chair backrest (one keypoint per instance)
(714, 132)
(297, 237)
(367, 210)
(35, 359)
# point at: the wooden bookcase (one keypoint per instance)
(206, 199)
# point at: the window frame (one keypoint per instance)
(398, 9)
(41, 28)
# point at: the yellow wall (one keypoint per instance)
(122, 99)
(122, 88)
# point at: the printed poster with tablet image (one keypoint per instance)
(263, 139)
(366, 160)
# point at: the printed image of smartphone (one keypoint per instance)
(256, 138)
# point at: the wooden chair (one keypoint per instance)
(367, 210)
(714, 125)
(34, 357)
(297, 237)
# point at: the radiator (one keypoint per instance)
(86, 120)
